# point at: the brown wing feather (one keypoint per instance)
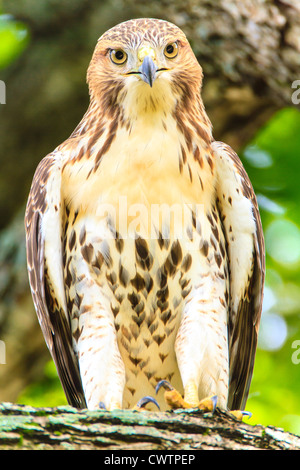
(243, 323)
(244, 335)
(53, 320)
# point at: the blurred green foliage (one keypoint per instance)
(46, 392)
(272, 161)
(14, 37)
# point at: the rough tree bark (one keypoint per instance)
(65, 428)
(250, 54)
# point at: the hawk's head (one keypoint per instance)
(147, 64)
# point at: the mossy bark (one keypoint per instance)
(65, 428)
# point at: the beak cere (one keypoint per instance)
(148, 70)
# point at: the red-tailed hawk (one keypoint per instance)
(144, 241)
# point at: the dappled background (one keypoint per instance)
(250, 54)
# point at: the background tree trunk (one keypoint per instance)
(23, 427)
(249, 52)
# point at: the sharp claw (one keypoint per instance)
(214, 399)
(145, 400)
(239, 414)
(208, 404)
(165, 384)
(247, 413)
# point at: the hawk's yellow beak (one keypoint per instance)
(148, 68)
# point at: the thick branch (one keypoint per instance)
(23, 427)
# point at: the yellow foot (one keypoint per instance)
(174, 399)
(238, 414)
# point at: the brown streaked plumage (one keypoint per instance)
(145, 248)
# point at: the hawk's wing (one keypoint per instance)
(245, 247)
(43, 225)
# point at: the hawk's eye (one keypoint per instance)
(118, 56)
(171, 50)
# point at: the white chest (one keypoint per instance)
(140, 233)
(148, 164)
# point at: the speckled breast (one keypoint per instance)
(144, 283)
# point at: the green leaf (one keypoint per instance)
(14, 37)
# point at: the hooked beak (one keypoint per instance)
(148, 70)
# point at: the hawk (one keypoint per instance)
(145, 247)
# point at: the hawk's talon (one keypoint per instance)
(165, 384)
(171, 395)
(143, 402)
(208, 404)
(174, 399)
(239, 414)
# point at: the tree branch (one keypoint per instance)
(24, 427)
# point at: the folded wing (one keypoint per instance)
(245, 247)
(43, 225)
